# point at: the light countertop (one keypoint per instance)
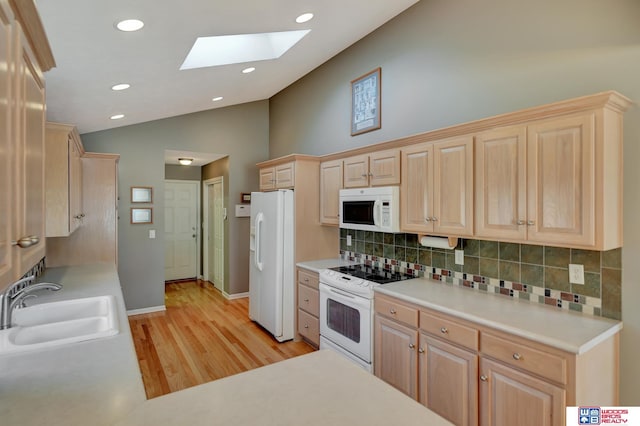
(318, 265)
(320, 388)
(88, 383)
(566, 330)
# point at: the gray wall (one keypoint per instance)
(448, 62)
(239, 131)
(179, 172)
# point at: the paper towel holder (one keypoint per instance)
(453, 241)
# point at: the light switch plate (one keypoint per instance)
(152, 233)
(576, 274)
(459, 257)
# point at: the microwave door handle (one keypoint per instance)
(377, 209)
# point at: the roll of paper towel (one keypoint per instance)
(436, 242)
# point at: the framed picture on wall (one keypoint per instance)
(365, 103)
(141, 194)
(141, 215)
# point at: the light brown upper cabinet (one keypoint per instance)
(330, 186)
(556, 181)
(63, 179)
(436, 194)
(378, 168)
(281, 176)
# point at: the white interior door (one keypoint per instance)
(181, 229)
(215, 237)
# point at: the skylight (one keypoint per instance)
(235, 49)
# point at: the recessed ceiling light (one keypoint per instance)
(305, 17)
(117, 116)
(217, 98)
(121, 86)
(248, 70)
(130, 25)
(240, 48)
(185, 161)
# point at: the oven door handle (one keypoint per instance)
(350, 296)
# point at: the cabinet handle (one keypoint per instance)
(82, 214)
(530, 223)
(520, 222)
(370, 174)
(412, 346)
(434, 219)
(364, 175)
(420, 350)
(306, 280)
(25, 242)
(483, 378)
(306, 300)
(444, 330)
(427, 219)
(392, 311)
(517, 356)
(306, 326)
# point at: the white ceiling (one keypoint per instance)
(92, 56)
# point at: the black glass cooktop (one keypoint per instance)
(375, 275)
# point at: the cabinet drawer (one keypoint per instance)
(309, 327)
(309, 300)
(398, 311)
(308, 278)
(545, 364)
(449, 330)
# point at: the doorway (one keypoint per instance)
(215, 215)
(182, 239)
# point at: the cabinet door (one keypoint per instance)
(30, 157)
(453, 187)
(285, 175)
(268, 179)
(560, 167)
(7, 207)
(330, 185)
(75, 186)
(501, 187)
(395, 359)
(448, 381)
(416, 190)
(356, 171)
(384, 167)
(509, 397)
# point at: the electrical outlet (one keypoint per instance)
(459, 257)
(576, 274)
(348, 240)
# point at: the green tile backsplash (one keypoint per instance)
(536, 273)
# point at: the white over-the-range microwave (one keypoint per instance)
(370, 209)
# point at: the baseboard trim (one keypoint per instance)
(235, 295)
(146, 310)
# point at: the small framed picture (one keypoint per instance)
(141, 215)
(245, 197)
(141, 194)
(365, 103)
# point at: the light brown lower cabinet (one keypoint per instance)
(471, 374)
(308, 306)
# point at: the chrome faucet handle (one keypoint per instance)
(21, 303)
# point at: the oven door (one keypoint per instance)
(346, 320)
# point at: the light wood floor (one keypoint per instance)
(201, 337)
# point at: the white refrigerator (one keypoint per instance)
(271, 271)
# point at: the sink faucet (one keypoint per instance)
(11, 298)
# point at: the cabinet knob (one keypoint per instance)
(364, 175)
(483, 378)
(420, 350)
(412, 346)
(370, 174)
(306, 300)
(25, 242)
(520, 222)
(306, 326)
(306, 280)
(517, 356)
(427, 219)
(392, 311)
(444, 330)
(434, 219)
(530, 223)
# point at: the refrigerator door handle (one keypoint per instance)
(258, 256)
